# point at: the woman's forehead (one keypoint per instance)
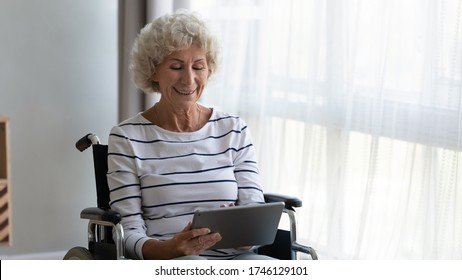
(192, 52)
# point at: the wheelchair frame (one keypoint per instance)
(105, 232)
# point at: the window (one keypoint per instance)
(356, 107)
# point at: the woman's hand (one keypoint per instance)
(194, 241)
(228, 205)
(187, 242)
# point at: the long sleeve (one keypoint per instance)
(246, 170)
(125, 192)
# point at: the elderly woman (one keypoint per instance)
(178, 156)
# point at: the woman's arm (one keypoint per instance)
(246, 170)
(125, 192)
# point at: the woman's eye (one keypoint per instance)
(179, 67)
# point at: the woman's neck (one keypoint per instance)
(187, 119)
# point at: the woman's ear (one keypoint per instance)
(154, 77)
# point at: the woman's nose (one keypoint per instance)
(188, 77)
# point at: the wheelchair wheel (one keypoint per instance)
(78, 253)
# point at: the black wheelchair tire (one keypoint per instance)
(78, 253)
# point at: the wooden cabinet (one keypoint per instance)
(5, 202)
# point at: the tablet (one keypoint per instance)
(249, 225)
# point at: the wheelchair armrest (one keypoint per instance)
(98, 214)
(290, 201)
(305, 249)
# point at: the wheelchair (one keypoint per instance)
(105, 232)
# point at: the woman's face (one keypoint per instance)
(182, 76)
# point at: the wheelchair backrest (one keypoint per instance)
(100, 166)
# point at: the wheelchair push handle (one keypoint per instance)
(85, 142)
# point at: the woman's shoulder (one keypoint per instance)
(135, 120)
(218, 116)
(221, 120)
(132, 124)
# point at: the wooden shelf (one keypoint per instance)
(5, 200)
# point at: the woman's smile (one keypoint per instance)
(184, 91)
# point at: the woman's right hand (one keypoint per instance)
(194, 241)
(185, 243)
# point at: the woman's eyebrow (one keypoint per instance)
(175, 59)
(180, 60)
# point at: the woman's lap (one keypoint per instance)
(244, 256)
(252, 256)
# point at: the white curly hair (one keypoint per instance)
(167, 34)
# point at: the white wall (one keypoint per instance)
(58, 81)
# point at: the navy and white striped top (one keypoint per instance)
(158, 178)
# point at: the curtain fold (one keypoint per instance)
(132, 17)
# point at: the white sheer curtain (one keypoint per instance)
(355, 106)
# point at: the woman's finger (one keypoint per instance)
(187, 227)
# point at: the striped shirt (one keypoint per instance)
(159, 178)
